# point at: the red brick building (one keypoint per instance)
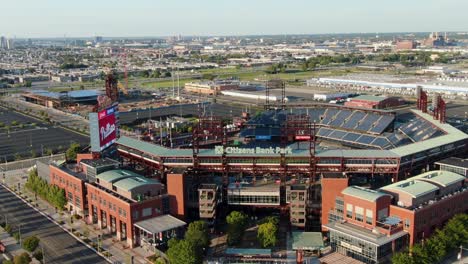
(70, 178)
(133, 208)
(374, 102)
(331, 189)
(405, 45)
(119, 198)
(371, 225)
(427, 201)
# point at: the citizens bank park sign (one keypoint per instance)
(235, 150)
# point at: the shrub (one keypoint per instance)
(38, 255)
(16, 236)
(8, 228)
(31, 243)
(22, 259)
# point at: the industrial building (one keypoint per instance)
(56, 100)
(374, 102)
(430, 88)
(211, 87)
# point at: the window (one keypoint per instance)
(407, 223)
(70, 197)
(383, 213)
(146, 212)
(359, 216)
(135, 215)
(120, 211)
(349, 210)
(369, 217)
(78, 201)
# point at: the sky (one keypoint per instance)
(139, 18)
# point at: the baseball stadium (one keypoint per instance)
(280, 158)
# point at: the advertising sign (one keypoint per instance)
(302, 137)
(107, 127)
(103, 128)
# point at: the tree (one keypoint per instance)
(402, 258)
(22, 259)
(72, 151)
(267, 232)
(237, 223)
(454, 234)
(156, 74)
(208, 76)
(48, 151)
(31, 243)
(197, 234)
(181, 252)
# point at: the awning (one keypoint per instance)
(159, 224)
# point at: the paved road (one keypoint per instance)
(59, 246)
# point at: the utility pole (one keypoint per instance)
(43, 255)
(20, 235)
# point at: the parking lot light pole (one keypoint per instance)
(43, 255)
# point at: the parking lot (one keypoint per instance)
(23, 136)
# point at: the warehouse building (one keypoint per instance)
(374, 102)
(211, 88)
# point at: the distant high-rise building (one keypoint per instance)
(3, 43)
(10, 44)
(98, 39)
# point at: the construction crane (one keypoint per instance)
(122, 88)
(123, 56)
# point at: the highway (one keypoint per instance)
(59, 246)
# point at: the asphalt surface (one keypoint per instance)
(59, 246)
(222, 110)
(38, 138)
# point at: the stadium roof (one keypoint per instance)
(131, 183)
(415, 188)
(453, 135)
(364, 193)
(359, 153)
(443, 178)
(153, 149)
(371, 98)
(112, 176)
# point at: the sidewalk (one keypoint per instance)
(118, 249)
(12, 247)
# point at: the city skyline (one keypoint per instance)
(207, 18)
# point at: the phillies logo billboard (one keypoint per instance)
(107, 127)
